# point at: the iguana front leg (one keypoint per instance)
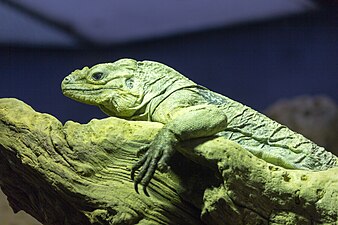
(188, 123)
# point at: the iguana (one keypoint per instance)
(147, 90)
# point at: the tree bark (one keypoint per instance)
(80, 174)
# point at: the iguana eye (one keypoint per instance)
(97, 76)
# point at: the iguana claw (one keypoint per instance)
(156, 156)
(148, 164)
(145, 174)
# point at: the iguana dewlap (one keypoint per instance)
(153, 91)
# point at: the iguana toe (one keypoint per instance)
(156, 157)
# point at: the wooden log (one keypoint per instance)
(80, 174)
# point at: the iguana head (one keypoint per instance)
(120, 88)
(111, 86)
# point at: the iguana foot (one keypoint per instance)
(157, 155)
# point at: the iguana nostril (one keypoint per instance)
(65, 82)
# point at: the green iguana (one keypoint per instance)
(146, 90)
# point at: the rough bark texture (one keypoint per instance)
(79, 174)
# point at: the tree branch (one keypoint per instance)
(79, 174)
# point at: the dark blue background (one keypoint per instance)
(255, 64)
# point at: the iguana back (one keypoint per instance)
(267, 139)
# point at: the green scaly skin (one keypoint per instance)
(152, 91)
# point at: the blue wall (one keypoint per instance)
(256, 64)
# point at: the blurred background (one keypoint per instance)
(256, 52)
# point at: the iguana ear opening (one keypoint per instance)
(129, 83)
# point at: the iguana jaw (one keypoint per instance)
(110, 105)
(76, 86)
(105, 104)
(83, 95)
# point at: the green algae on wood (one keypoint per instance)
(79, 174)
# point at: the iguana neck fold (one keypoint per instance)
(159, 82)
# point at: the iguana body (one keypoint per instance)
(152, 91)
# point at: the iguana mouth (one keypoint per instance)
(69, 91)
(89, 90)
(80, 92)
